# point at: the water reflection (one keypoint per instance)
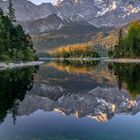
(77, 67)
(92, 92)
(83, 89)
(128, 76)
(13, 86)
(69, 100)
(79, 77)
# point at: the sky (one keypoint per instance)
(40, 1)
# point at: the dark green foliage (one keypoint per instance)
(15, 45)
(14, 84)
(128, 74)
(11, 12)
(1, 12)
(128, 45)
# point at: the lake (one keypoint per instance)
(70, 100)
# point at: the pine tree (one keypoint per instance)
(1, 12)
(121, 43)
(15, 45)
(11, 12)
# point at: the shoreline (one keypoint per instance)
(104, 59)
(124, 60)
(19, 65)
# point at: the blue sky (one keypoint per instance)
(40, 1)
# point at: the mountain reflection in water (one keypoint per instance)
(80, 88)
(68, 100)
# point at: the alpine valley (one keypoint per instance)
(68, 22)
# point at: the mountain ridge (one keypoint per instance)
(98, 13)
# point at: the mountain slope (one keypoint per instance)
(95, 12)
(50, 23)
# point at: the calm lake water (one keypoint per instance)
(71, 101)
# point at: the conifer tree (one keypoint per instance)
(11, 12)
(1, 12)
(120, 43)
(15, 45)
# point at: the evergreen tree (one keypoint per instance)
(129, 45)
(133, 39)
(1, 12)
(15, 45)
(121, 43)
(11, 12)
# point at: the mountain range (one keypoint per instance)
(79, 91)
(99, 13)
(101, 104)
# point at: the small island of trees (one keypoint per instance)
(128, 44)
(15, 45)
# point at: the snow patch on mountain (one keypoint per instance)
(96, 12)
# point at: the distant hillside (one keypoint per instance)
(76, 33)
(100, 38)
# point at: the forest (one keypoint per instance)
(128, 43)
(75, 51)
(15, 44)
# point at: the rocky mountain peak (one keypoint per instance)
(95, 12)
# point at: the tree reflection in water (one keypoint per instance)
(77, 67)
(13, 86)
(128, 74)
